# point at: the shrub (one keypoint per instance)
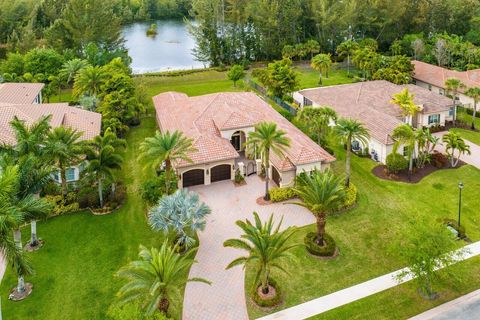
(396, 162)
(153, 189)
(454, 224)
(277, 299)
(281, 194)
(315, 249)
(350, 196)
(439, 160)
(61, 206)
(239, 176)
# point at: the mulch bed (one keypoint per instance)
(17, 296)
(29, 248)
(403, 175)
(262, 202)
(335, 254)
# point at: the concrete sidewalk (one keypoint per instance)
(472, 159)
(351, 294)
(465, 307)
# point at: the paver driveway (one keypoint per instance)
(225, 298)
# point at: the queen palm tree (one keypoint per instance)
(474, 93)
(348, 130)
(155, 277)
(404, 100)
(321, 62)
(72, 67)
(321, 193)
(347, 49)
(89, 80)
(266, 247)
(166, 148)
(64, 148)
(318, 120)
(29, 138)
(453, 142)
(406, 136)
(453, 87)
(265, 139)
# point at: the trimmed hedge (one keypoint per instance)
(396, 162)
(313, 248)
(350, 198)
(281, 194)
(271, 302)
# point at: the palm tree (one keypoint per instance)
(29, 138)
(474, 93)
(89, 80)
(266, 247)
(321, 62)
(405, 101)
(453, 86)
(155, 277)
(181, 213)
(318, 120)
(312, 47)
(348, 130)
(265, 139)
(321, 193)
(347, 48)
(71, 68)
(64, 149)
(406, 136)
(454, 143)
(166, 148)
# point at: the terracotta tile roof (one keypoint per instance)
(87, 122)
(369, 102)
(203, 117)
(436, 75)
(20, 93)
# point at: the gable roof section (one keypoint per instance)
(203, 117)
(437, 76)
(20, 93)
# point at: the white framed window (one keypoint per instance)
(70, 174)
(56, 176)
(450, 112)
(433, 119)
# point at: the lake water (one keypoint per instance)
(170, 49)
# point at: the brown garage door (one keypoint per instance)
(221, 172)
(193, 178)
(276, 176)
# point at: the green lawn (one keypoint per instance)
(309, 78)
(473, 136)
(364, 233)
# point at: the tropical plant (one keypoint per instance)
(312, 47)
(404, 100)
(236, 73)
(155, 277)
(396, 47)
(321, 193)
(319, 121)
(426, 143)
(453, 87)
(348, 130)
(453, 142)
(396, 162)
(266, 247)
(405, 136)
(474, 93)
(165, 149)
(267, 138)
(347, 49)
(321, 63)
(181, 213)
(64, 148)
(279, 77)
(89, 81)
(288, 52)
(71, 68)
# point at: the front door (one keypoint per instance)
(236, 142)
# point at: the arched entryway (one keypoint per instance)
(221, 172)
(193, 177)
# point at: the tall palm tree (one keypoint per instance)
(72, 67)
(348, 130)
(312, 47)
(321, 193)
(406, 136)
(453, 142)
(453, 87)
(89, 80)
(155, 277)
(64, 148)
(318, 120)
(265, 139)
(166, 148)
(321, 62)
(405, 101)
(474, 93)
(266, 247)
(347, 49)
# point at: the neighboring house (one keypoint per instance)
(433, 78)
(219, 125)
(28, 110)
(369, 103)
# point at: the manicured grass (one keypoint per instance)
(75, 269)
(364, 233)
(472, 136)
(309, 78)
(64, 96)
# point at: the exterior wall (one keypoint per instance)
(462, 99)
(206, 171)
(423, 118)
(287, 178)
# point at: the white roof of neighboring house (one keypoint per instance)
(20, 93)
(437, 76)
(203, 117)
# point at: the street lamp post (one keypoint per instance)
(460, 187)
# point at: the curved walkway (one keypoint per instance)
(225, 298)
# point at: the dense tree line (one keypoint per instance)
(234, 30)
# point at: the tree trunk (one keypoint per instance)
(321, 222)
(17, 237)
(320, 81)
(168, 166)
(21, 284)
(265, 283)
(410, 163)
(163, 305)
(33, 231)
(347, 163)
(454, 111)
(112, 196)
(63, 176)
(474, 114)
(267, 176)
(348, 64)
(100, 192)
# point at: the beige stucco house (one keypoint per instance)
(369, 103)
(219, 125)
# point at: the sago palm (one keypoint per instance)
(321, 62)
(348, 130)
(474, 93)
(166, 148)
(88, 81)
(158, 275)
(453, 87)
(266, 247)
(404, 100)
(321, 193)
(405, 135)
(265, 139)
